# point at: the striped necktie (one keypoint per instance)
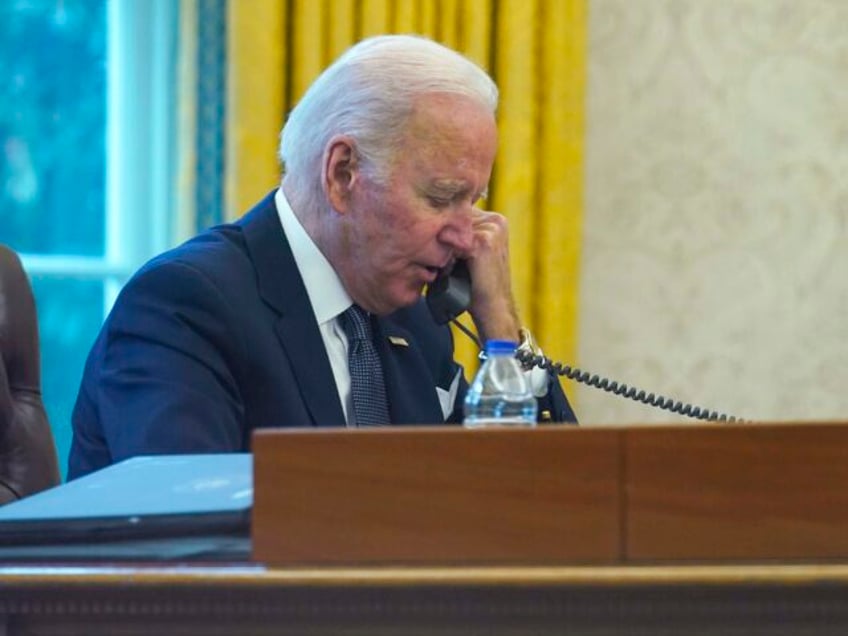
(367, 386)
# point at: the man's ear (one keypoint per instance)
(339, 171)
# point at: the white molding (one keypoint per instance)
(141, 114)
(67, 266)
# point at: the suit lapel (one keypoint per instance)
(281, 287)
(412, 397)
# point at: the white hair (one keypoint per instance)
(368, 93)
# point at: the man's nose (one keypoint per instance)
(458, 234)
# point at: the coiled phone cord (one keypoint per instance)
(631, 392)
(611, 386)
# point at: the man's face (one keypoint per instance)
(398, 235)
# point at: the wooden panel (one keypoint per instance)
(436, 495)
(738, 492)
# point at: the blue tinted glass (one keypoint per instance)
(69, 316)
(52, 125)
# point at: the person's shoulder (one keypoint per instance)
(212, 267)
(219, 253)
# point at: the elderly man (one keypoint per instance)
(253, 324)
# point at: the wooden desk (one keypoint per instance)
(249, 599)
(552, 496)
(624, 514)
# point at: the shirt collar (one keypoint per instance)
(323, 285)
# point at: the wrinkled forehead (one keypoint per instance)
(449, 120)
(449, 146)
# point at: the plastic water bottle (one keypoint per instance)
(500, 394)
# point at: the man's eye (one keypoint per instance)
(437, 202)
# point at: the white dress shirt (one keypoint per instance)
(326, 294)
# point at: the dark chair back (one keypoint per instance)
(28, 461)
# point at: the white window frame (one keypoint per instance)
(140, 147)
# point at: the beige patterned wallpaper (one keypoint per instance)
(715, 262)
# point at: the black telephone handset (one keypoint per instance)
(450, 295)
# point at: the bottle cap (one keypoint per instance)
(494, 347)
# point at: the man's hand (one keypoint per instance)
(492, 304)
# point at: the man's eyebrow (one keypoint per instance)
(454, 186)
(449, 185)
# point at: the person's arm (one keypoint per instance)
(493, 307)
(163, 380)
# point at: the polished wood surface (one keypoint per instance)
(696, 493)
(737, 493)
(249, 575)
(521, 515)
(436, 495)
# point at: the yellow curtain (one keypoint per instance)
(535, 50)
(257, 73)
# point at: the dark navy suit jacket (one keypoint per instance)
(217, 337)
